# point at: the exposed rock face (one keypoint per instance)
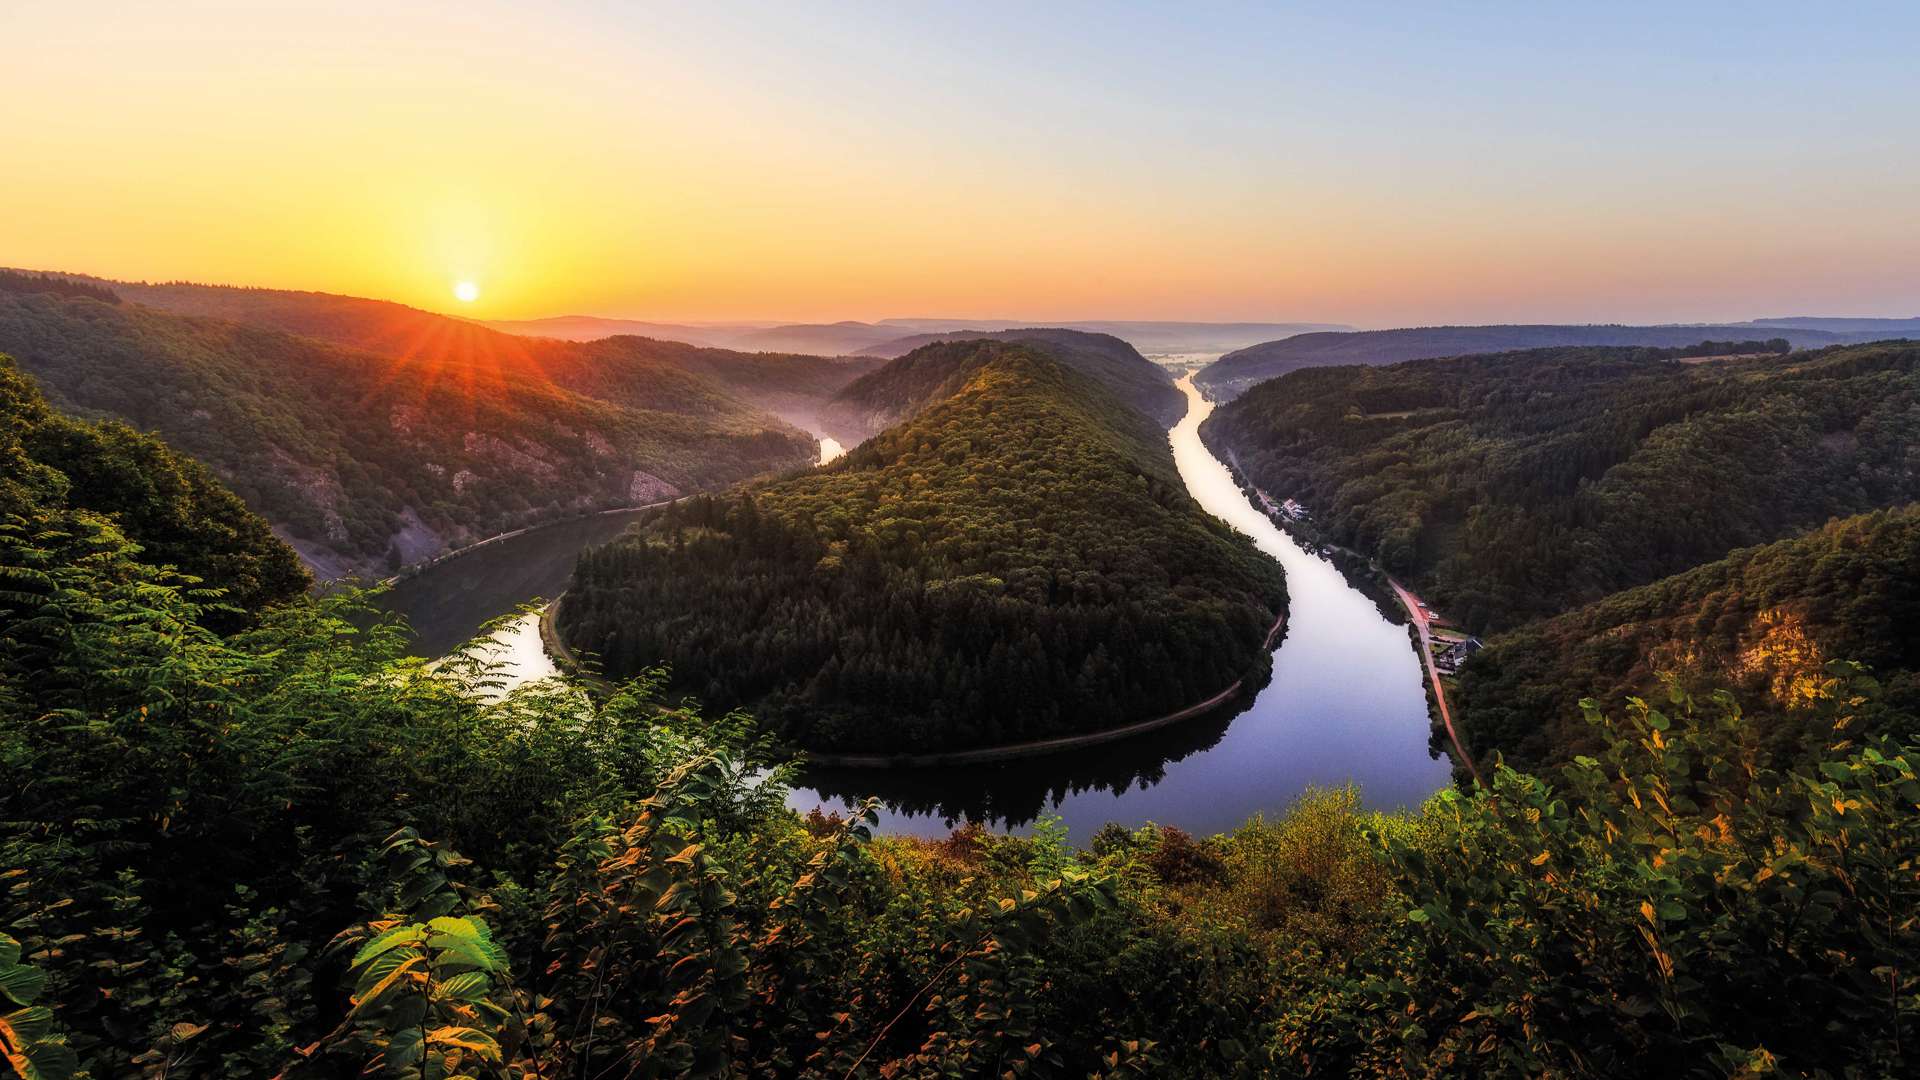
(646, 488)
(404, 418)
(528, 457)
(462, 478)
(319, 487)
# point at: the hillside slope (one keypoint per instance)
(1019, 560)
(369, 461)
(1519, 485)
(924, 375)
(1763, 621)
(627, 369)
(1234, 373)
(165, 502)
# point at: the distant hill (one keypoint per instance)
(1763, 621)
(1233, 373)
(365, 461)
(1155, 338)
(1018, 560)
(594, 327)
(898, 336)
(1882, 329)
(827, 339)
(1518, 485)
(934, 369)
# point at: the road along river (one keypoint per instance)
(1346, 703)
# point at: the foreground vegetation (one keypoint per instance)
(1515, 486)
(1764, 620)
(1018, 561)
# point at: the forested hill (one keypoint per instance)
(369, 461)
(1234, 373)
(924, 375)
(639, 372)
(1019, 560)
(1763, 621)
(165, 502)
(1519, 485)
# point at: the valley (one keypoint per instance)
(1345, 703)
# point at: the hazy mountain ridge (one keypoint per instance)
(1234, 373)
(933, 369)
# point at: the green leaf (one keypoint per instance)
(466, 986)
(21, 984)
(29, 1025)
(399, 935)
(9, 952)
(459, 927)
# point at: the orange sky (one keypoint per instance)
(866, 162)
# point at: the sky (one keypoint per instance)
(1374, 164)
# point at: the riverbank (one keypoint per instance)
(988, 755)
(1408, 602)
(448, 556)
(569, 661)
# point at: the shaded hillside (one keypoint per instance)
(912, 382)
(167, 503)
(1017, 561)
(792, 386)
(365, 461)
(1518, 485)
(1764, 621)
(1234, 373)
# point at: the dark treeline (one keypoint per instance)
(290, 850)
(1765, 621)
(1020, 560)
(15, 282)
(1514, 486)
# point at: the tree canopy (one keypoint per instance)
(1019, 560)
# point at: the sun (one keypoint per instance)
(466, 292)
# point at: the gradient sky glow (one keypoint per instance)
(1365, 163)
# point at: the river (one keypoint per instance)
(1346, 702)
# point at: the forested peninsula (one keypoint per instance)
(1019, 560)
